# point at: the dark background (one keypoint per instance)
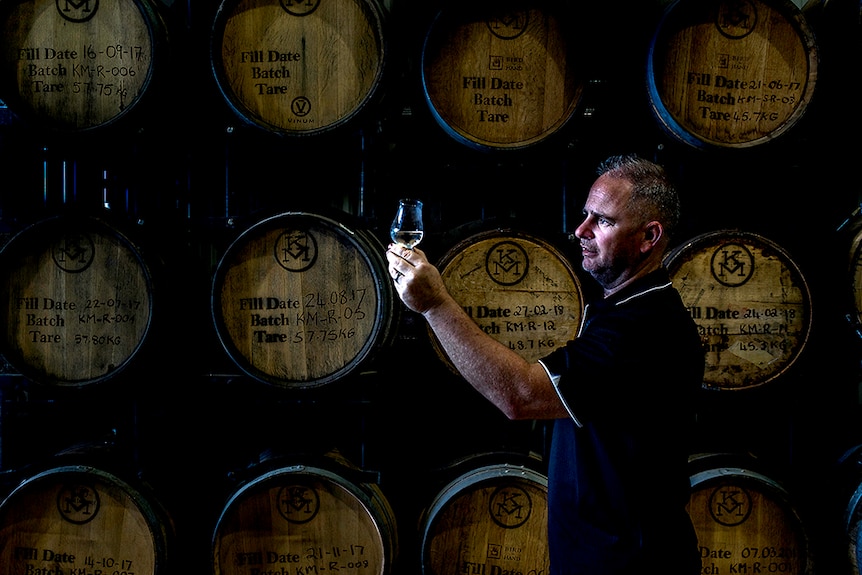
(184, 176)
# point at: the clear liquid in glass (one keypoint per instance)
(407, 228)
(407, 238)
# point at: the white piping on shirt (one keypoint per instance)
(646, 291)
(555, 379)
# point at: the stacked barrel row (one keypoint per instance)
(300, 301)
(506, 77)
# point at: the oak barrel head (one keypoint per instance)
(308, 519)
(299, 68)
(751, 304)
(745, 519)
(519, 288)
(79, 66)
(728, 74)
(78, 517)
(501, 76)
(492, 518)
(301, 300)
(76, 301)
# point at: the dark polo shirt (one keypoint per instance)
(617, 468)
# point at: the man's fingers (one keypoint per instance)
(401, 253)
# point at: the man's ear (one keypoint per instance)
(653, 232)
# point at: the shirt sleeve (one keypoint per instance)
(555, 380)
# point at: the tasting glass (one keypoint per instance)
(407, 229)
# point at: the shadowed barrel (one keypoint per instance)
(751, 304)
(301, 300)
(746, 521)
(78, 517)
(501, 75)
(305, 519)
(76, 301)
(78, 66)
(492, 517)
(299, 68)
(519, 288)
(731, 74)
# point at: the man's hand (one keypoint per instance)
(418, 282)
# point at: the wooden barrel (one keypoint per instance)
(301, 300)
(76, 301)
(78, 66)
(305, 519)
(520, 289)
(298, 67)
(76, 518)
(501, 75)
(746, 521)
(490, 519)
(730, 73)
(751, 304)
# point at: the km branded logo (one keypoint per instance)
(298, 503)
(300, 7)
(510, 506)
(78, 12)
(736, 18)
(78, 503)
(732, 265)
(296, 250)
(506, 263)
(74, 252)
(730, 505)
(509, 25)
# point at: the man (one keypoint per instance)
(621, 394)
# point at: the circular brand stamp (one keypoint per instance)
(78, 503)
(298, 503)
(506, 263)
(510, 506)
(509, 25)
(77, 12)
(296, 250)
(300, 7)
(74, 252)
(732, 264)
(736, 19)
(730, 505)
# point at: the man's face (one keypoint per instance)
(610, 236)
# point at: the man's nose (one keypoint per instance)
(583, 230)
